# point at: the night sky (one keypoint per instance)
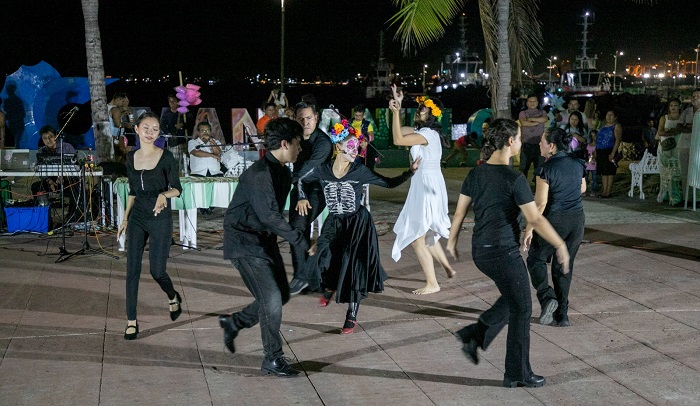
(328, 38)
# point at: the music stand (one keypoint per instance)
(86, 249)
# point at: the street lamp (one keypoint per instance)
(617, 53)
(282, 51)
(696, 65)
(550, 59)
(425, 66)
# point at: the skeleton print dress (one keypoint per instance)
(347, 254)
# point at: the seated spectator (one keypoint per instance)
(53, 184)
(270, 113)
(205, 156)
(205, 153)
(649, 136)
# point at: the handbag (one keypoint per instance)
(668, 144)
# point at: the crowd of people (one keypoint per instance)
(330, 170)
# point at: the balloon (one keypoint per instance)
(187, 95)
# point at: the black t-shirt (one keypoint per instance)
(563, 174)
(496, 192)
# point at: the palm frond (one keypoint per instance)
(524, 35)
(489, 27)
(421, 22)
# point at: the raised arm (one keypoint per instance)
(402, 136)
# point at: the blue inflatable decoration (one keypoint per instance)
(33, 96)
(476, 120)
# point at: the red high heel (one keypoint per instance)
(323, 301)
(348, 327)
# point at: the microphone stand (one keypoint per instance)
(86, 245)
(62, 252)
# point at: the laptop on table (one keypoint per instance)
(15, 160)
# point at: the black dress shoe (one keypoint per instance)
(469, 345)
(230, 331)
(533, 381)
(563, 321)
(176, 303)
(131, 332)
(296, 286)
(279, 367)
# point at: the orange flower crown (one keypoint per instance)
(427, 102)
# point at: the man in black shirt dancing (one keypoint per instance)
(252, 223)
(317, 149)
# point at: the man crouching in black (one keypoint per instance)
(252, 223)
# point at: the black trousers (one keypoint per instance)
(506, 268)
(158, 232)
(303, 223)
(529, 154)
(570, 226)
(266, 280)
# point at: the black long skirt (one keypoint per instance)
(347, 257)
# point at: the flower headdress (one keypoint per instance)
(429, 103)
(341, 130)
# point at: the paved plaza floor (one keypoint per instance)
(634, 335)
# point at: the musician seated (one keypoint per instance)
(205, 153)
(52, 184)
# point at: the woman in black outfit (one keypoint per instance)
(558, 196)
(499, 195)
(153, 181)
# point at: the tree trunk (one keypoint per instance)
(96, 77)
(502, 95)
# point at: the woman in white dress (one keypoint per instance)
(670, 129)
(424, 217)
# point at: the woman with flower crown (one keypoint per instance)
(424, 217)
(347, 251)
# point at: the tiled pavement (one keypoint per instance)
(635, 312)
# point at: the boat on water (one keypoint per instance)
(585, 79)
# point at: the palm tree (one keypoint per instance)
(96, 78)
(511, 32)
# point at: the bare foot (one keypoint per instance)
(450, 273)
(426, 290)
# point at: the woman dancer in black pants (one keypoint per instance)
(153, 181)
(559, 186)
(499, 194)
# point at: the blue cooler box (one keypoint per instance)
(22, 219)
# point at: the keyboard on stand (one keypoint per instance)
(55, 170)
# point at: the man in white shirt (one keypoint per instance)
(205, 153)
(570, 108)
